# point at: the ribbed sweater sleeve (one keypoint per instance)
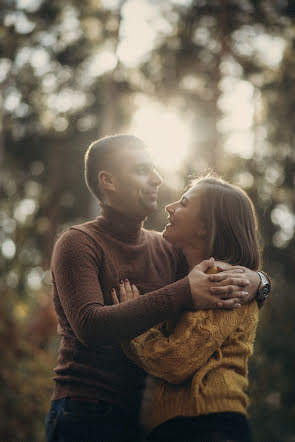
(76, 269)
(195, 338)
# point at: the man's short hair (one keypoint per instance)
(101, 155)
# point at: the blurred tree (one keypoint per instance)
(209, 47)
(61, 86)
(273, 166)
(24, 379)
(213, 49)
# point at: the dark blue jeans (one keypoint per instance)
(213, 427)
(78, 421)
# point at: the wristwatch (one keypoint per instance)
(264, 288)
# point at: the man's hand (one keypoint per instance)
(209, 294)
(227, 276)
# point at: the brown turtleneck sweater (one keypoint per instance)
(88, 260)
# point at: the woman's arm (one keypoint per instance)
(196, 337)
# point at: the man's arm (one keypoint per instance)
(75, 268)
(76, 273)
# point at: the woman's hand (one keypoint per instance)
(127, 292)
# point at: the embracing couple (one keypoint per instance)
(156, 328)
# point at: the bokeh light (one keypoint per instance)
(165, 132)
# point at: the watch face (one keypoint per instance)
(264, 288)
(265, 291)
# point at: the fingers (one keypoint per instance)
(215, 303)
(227, 268)
(229, 304)
(222, 276)
(122, 292)
(232, 280)
(114, 297)
(231, 270)
(135, 291)
(229, 291)
(205, 265)
(127, 291)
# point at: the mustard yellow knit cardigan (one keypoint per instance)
(198, 366)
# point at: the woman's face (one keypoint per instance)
(185, 226)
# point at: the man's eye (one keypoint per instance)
(142, 170)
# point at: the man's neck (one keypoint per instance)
(120, 225)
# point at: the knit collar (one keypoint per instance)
(119, 225)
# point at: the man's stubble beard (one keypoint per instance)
(145, 210)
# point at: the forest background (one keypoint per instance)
(208, 85)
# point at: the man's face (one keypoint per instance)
(137, 182)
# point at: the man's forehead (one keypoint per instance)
(134, 156)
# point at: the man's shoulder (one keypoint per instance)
(156, 238)
(76, 241)
(154, 235)
(78, 232)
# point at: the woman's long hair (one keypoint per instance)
(231, 222)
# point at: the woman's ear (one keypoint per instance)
(202, 231)
(106, 180)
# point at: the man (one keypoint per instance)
(97, 390)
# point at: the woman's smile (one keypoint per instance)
(170, 223)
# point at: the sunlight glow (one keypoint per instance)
(29, 5)
(66, 100)
(283, 217)
(101, 62)
(140, 27)
(237, 105)
(20, 22)
(24, 209)
(253, 42)
(34, 278)
(8, 249)
(5, 65)
(164, 131)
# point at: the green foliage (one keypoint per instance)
(56, 96)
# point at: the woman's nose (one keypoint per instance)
(169, 209)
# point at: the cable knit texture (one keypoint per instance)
(198, 364)
(87, 261)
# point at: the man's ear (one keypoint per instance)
(106, 180)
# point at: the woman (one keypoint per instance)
(199, 363)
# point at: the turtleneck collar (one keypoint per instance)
(119, 225)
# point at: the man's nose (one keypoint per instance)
(156, 178)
